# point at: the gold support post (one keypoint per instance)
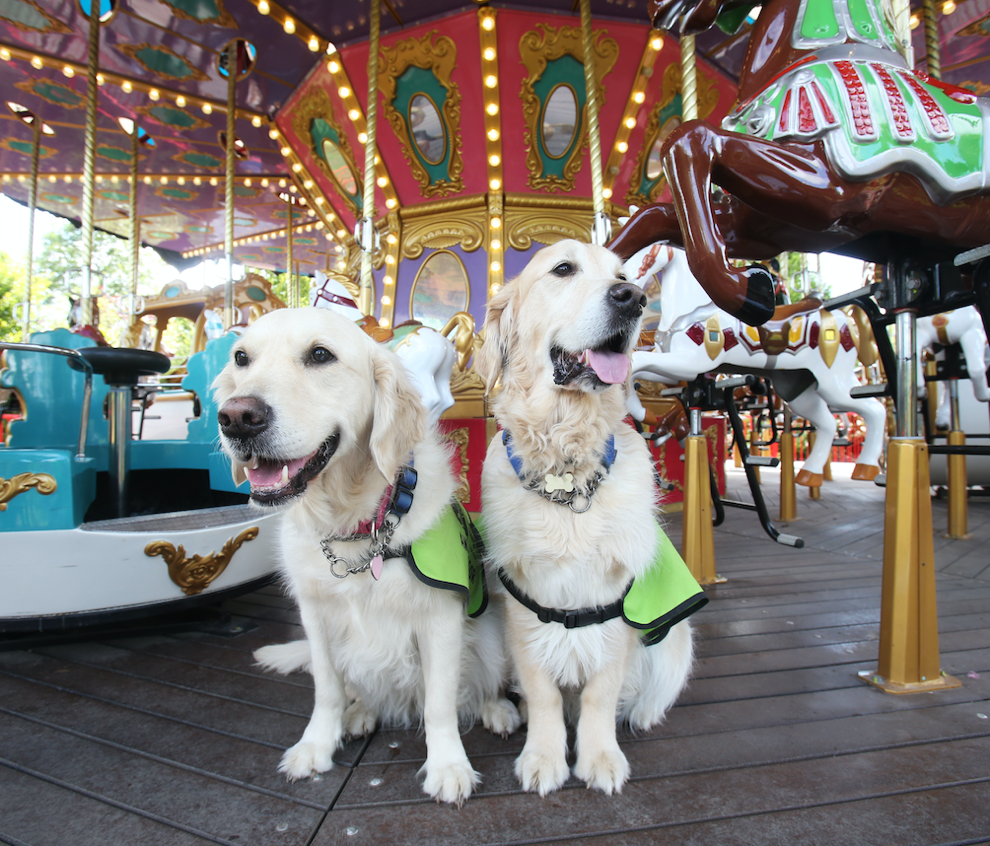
(89, 160)
(228, 290)
(367, 240)
(601, 232)
(956, 470)
(788, 488)
(698, 542)
(32, 206)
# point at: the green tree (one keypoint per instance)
(10, 330)
(794, 268)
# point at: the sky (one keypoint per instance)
(841, 273)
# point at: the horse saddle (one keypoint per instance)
(775, 333)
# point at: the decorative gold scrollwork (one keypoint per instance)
(196, 573)
(16, 485)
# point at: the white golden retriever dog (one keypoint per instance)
(570, 517)
(326, 424)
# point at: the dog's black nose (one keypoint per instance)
(243, 417)
(628, 298)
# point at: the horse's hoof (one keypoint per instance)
(865, 472)
(759, 303)
(809, 479)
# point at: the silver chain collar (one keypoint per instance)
(380, 540)
(568, 499)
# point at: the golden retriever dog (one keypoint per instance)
(570, 517)
(326, 424)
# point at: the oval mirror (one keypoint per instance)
(339, 167)
(440, 290)
(654, 165)
(559, 121)
(427, 128)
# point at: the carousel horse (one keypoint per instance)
(428, 355)
(964, 326)
(807, 352)
(836, 145)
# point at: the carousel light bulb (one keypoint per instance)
(5, 54)
(491, 81)
(496, 244)
(948, 7)
(181, 180)
(126, 87)
(622, 146)
(313, 44)
(391, 203)
(207, 109)
(496, 222)
(488, 23)
(489, 54)
(308, 184)
(354, 114)
(273, 134)
(333, 66)
(36, 63)
(180, 101)
(67, 178)
(382, 181)
(389, 259)
(214, 181)
(247, 181)
(391, 239)
(319, 201)
(197, 181)
(495, 267)
(495, 289)
(639, 97)
(319, 224)
(289, 26)
(296, 167)
(494, 160)
(68, 72)
(164, 180)
(493, 135)
(606, 193)
(281, 183)
(256, 121)
(386, 300)
(915, 21)
(495, 184)
(341, 233)
(115, 180)
(147, 180)
(363, 137)
(263, 7)
(153, 94)
(656, 42)
(388, 280)
(331, 48)
(492, 109)
(630, 122)
(285, 151)
(343, 92)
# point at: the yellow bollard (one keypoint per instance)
(908, 650)
(698, 543)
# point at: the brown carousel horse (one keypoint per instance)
(836, 145)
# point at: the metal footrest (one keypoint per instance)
(864, 391)
(761, 461)
(790, 540)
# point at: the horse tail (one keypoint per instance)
(465, 340)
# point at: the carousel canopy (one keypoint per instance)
(302, 106)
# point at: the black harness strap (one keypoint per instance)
(570, 619)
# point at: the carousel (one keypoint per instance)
(402, 162)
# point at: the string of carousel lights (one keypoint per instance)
(493, 145)
(271, 235)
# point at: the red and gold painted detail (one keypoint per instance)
(846, 338)
(898, 108)
(938, 121)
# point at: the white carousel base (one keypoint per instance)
(134, 563)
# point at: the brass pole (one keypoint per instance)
(89, 159)
(293, 292)
(32, 205)
(689, 79)
(956, 471)
(698, 542)
(601, 232)
(932, 50)
(368, 211)
(228, 291)
(788, 490)
(135, 223)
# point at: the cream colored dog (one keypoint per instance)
(322, 421)
(569, 507)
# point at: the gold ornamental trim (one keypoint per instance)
(439, 55)
(536, 49)
(196, 573)
(547, 226)
(314, 104)
(466, 228)
(714, 337)
(828, 337)
(23, 482)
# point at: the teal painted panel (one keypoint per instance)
(53, 394)
(221, 478)
(202, 369)
(65, 507)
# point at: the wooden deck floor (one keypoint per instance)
(173, 739)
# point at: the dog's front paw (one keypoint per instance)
(605, 770)
(451, 783)
(500, 717)
(305, 759)
(541, 771)
(359, 719)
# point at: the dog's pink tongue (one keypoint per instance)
(610, 367)
(268, 474)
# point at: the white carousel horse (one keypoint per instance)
(427, 354)
(807, 352)
(964, 326)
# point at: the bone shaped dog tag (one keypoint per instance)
(559, 483)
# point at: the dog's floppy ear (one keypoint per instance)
(490, 359)
(400, 416)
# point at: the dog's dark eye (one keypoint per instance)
(321, 355)
(241, 358)
(565, 268)
(621, 276)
